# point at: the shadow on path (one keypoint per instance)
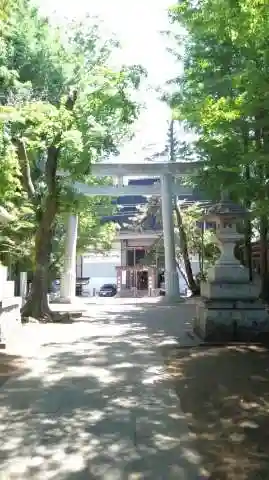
(10, 365)
(97, 403)
(224, 391)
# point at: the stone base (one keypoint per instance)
(164, 300)
(68, 301)
(230, 321)
(225, 291)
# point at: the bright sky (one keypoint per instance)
(137, 25)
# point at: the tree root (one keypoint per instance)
(44, 318)
(34, 312)
(52, 317)
(65, 317)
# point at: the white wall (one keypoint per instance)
(100, 268)
(195, 271)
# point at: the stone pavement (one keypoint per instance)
(94, 401)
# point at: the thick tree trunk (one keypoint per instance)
(36, 305)
(185, 254)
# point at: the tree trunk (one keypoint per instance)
(36, 305)
(264, 257)
(185, 254)
(263, 219)
(248, 225)
(181, 271)
(248, 248)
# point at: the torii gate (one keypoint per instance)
(167, 189)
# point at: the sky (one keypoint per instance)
(137, 25)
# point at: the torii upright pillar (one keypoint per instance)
(171, 276)
(68, 279)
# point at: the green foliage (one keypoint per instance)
(201, 242)
(9, 168)
(203, 245)
(223, 95)
(90, 235)
(63, 108)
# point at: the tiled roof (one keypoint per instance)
(128, 206)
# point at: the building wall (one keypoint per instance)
(100, 268)
(195, 270)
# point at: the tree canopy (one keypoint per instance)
(62, 108)
(222, 97)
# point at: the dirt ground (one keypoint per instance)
(224, 392)
(9, 365)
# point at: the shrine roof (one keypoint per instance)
(128, 206)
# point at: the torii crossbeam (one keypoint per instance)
(151, 169)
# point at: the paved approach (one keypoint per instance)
(95, 403)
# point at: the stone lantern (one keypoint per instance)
(230, 308)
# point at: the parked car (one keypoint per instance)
(108, 290)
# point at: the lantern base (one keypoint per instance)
(226, 321)
(234, 290)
